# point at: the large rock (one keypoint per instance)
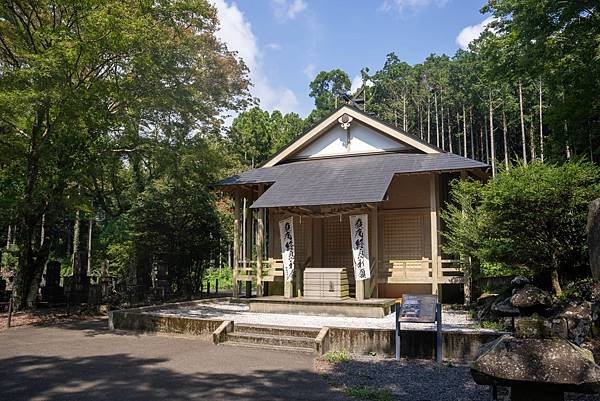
(505, 308)
(530, 297)
(593, 233)
(519, 282)
(579, 321)
(552, 365)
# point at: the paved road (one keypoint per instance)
(85, 361)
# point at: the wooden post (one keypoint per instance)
(247, 235)
(374, 216)
(260, 244)
(434, 206)
(236, 244)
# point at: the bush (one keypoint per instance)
(336, 356)
(370, 394)
(529, 217)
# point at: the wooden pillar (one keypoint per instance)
(374, 223)
(248, 234)
(434, 218)
(260, 245)
(236, 243)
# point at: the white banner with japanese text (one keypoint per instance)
(286, 231)
(359, 229)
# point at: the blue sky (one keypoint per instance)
(285, 43)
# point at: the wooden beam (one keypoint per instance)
(236, 242)
(260, 244)
(434, 216)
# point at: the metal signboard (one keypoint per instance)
(418, 308)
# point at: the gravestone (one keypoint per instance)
(593, 233)
(52, 291)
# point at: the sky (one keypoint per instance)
(285, 43)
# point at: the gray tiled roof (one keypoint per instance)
(343, 180)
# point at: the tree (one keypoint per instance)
(328, 89)
(79, 76)
(530, 216)
(255, 135)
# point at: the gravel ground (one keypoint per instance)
(412, 380)
(224, 310)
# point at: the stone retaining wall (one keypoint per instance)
(458, 345)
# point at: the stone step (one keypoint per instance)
(272, 340)
(288, 331)
(299, 350)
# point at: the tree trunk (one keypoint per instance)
(505, 138)
(404, 112)
(523, 140)
(449, 133)
(555, 282)
(492, 142)
(541, 125)
(464, 131)
(460, 145)
(32, 258)
(442, 127)
(532, 141)
(8, 238)
(471, 132)
(420, 111)
(75, 256)
(487, 139)
(437, 126)
(428, 120)
(89, 247)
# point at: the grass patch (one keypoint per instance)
(497, 326)
(336, 356)
(370, 394)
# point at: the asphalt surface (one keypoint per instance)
(86, 361)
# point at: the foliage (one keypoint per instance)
(336, 356)
(370, 394)
(529, 217)
(89, 92)
(175, 224)
(255, 135)
(224, 275)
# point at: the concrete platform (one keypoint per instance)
(373, 308)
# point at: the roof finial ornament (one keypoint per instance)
(345, 121)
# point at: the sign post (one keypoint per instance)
(420, 309)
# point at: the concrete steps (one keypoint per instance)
(283, 338)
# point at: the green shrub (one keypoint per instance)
(370, 394)
(529, 217)
(336, 356)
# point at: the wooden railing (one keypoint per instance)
(399, 271)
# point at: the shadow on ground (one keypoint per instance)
(122, 377)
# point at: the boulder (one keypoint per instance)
(579, 321)
(505, 308)
(593, 236)
(530, 297)
(536, 369)
(519, 282)
(483, 305)
(533, 327)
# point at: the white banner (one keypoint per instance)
(359, 229)
(286, 232)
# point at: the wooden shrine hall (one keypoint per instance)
(347, 212)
